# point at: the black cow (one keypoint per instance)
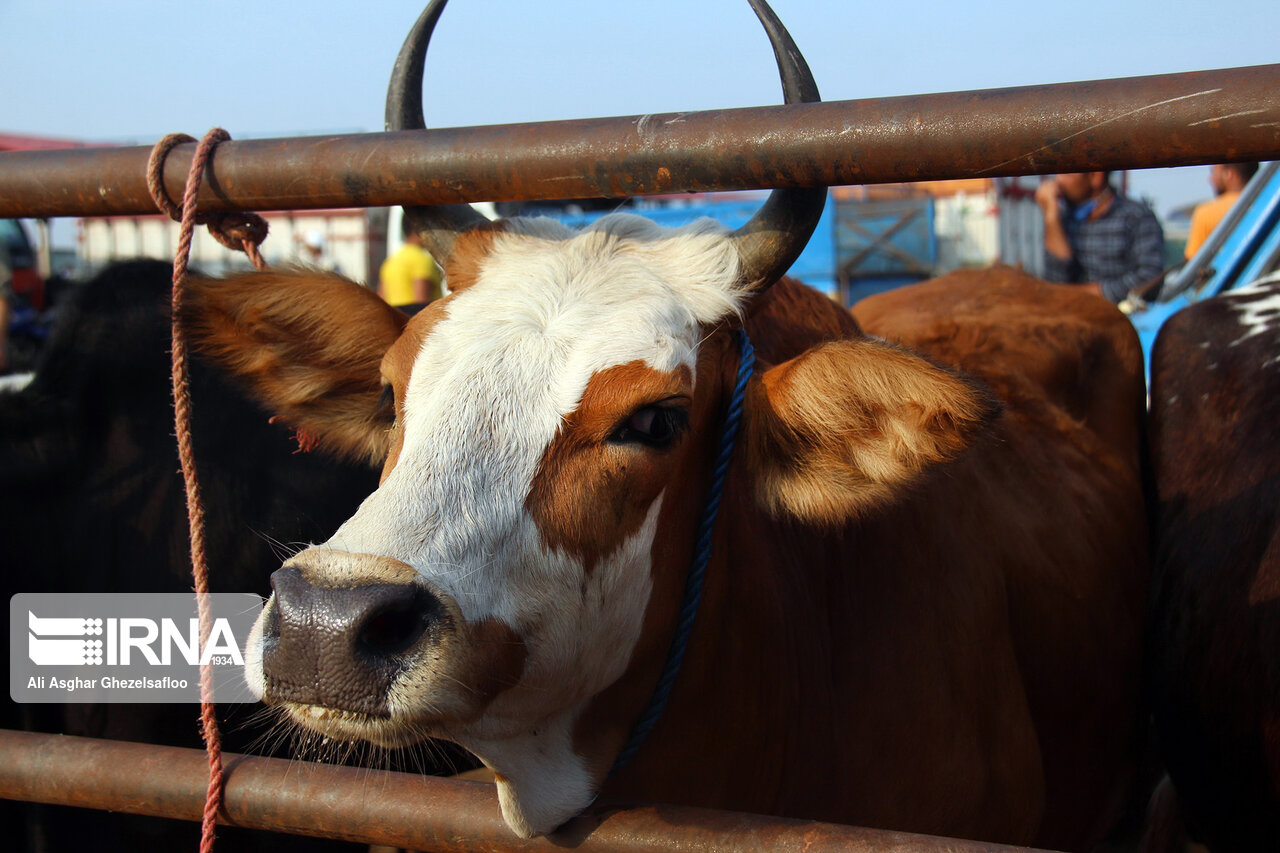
(1214, 634)
(92, 500)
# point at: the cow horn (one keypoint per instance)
(777, 234)
(439, 224)
(767, 245)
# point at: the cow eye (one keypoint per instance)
(386, 410)
(655, 426)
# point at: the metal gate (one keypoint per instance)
(1171, 120)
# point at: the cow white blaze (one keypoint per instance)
(594, 331)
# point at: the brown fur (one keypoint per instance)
(839, 431)
(1066, 364)
(961, 659)
(784, 322)
(1213, 664)
(486, 657)
(590, 496)
(469, 253)
(602, 729)
(288, 335)
(1023, 335)
(396, 367)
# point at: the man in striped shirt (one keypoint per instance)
(1097, 238)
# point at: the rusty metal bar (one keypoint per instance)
(1168, 120)
(397, 809)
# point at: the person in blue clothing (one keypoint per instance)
(1097, 238)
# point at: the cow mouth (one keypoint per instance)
(342, 725)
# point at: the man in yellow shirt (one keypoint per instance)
(410, 275)
(1227, 180)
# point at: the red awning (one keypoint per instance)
(20, 142)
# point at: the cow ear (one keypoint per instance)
(307, 345)
(848, 426)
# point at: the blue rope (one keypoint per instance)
(701, 556)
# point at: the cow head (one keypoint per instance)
(541, 432)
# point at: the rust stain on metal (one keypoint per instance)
(1167, 120)
(396, 809)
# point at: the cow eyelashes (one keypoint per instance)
(653, 426)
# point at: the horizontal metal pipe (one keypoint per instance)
(397, 809)
(1168, 120)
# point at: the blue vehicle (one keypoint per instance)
(1242, 249)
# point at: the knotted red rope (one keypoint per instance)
(237, 231)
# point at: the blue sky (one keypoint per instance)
(133, 70)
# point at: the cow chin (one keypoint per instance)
(359, 647)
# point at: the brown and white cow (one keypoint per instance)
(1214, 637)
(922, 607)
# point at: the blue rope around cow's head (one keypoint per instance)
(701, 556)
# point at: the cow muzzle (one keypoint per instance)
(343, 646)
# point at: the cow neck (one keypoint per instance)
(701, 557)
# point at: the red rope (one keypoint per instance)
(229, 229)
(238, 231)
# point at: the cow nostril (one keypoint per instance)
(345, 646)
(393, 629)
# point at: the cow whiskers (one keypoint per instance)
(283, 551)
